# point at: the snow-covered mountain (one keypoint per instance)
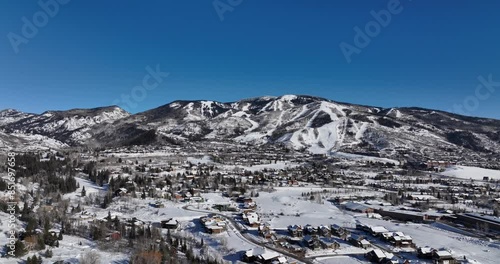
(62, 127)
(309, 123)
(8, 116)
(306, 123)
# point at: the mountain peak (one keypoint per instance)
(9, 110)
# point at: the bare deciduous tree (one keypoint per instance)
(91, 257)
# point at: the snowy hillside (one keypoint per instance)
(64, 127)
(9, 116)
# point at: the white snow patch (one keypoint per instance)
(474, 173)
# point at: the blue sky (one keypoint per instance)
(90, 52)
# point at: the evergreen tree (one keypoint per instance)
(108, 218)
(40, 243)
(112, 184)
(84, 193)
(116, 222)
(132, 234)
(48, 253)
(169, 237)
(20, 249)
(30, 228)
(184, 246)
(26, 211)
(31, 260)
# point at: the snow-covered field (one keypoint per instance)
(287, 207)
(474, 173)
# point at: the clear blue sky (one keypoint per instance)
(87, 55)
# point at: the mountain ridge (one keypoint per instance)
(301, 122)
(253, 98)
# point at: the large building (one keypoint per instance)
(484, 222)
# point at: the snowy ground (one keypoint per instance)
(474, 173)
(286, 207)
(90, 188)
(339, 259)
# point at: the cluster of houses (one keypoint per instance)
(396, 239)
(320, 237)
(322, 230)
(184, 182)
(192, 195)
(436, 256)
(400, 240)
(327, 237)
(458, 191)
(439, 164)
(213, 224)
(182, 177)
